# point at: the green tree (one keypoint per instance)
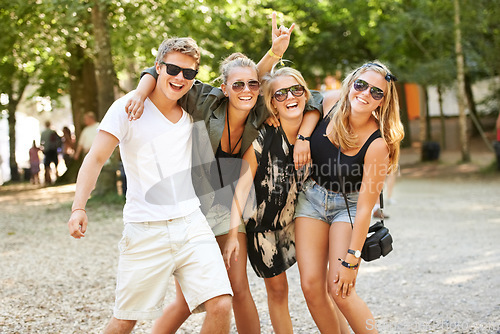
(18, 63)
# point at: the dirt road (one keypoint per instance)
(442, 277)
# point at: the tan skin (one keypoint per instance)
(319, 244)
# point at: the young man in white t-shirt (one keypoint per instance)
(165, 232)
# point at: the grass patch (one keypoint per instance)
(109, 199)
(490, 169)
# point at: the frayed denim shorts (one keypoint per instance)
(319, 203)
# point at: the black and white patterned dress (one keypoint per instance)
(271, 230)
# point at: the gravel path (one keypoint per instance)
(442, 277)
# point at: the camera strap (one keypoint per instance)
(342, 189)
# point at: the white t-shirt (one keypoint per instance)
(87, 136)
(156, 156)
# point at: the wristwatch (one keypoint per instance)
(356, 253)
(301, 137)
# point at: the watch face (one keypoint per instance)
(357, 254)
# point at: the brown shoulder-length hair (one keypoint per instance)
(387, 114)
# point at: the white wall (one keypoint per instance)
(480, 90)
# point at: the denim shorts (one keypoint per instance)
(319, 203)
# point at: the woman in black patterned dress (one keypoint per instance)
(270, 228)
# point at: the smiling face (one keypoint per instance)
(363, 101)
(174, 87)
(293, 106)
(245, 99)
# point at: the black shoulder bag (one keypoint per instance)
(379, 241)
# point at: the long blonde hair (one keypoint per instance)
(387, 114)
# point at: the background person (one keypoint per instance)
(34, 163)
(50, 142)
(87, 135)
(68, 146)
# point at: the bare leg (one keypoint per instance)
(311, 242)
(174, 314)
(119, 326)
(344, 326)
(246, 316)
(48, 180)
(218, 315)
(277, 300)
(353, 307)
(245, 311)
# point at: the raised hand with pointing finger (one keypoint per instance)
(280, 37)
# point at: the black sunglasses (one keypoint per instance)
(238, 86)
(173, 70)
(361, 85)
(281, 94)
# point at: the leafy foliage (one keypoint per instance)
(415, 37)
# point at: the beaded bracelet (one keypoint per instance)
(348, 265)
(77, 210)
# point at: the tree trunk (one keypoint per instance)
(11, 107)
(404, 114)
(423, 119)
(83, 94)
(106, 81)
(441, 117)
(470, 103)
(428, 136)
(105, 73)
(462, 117)
(14, 170)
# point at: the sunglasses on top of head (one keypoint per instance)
(238, 86)
(281, 94)
(361, 85)
(174, 70)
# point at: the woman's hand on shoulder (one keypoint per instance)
(135, 106)
(273, 121)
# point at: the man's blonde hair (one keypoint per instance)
(184, 45)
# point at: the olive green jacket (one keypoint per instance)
(209, 104)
